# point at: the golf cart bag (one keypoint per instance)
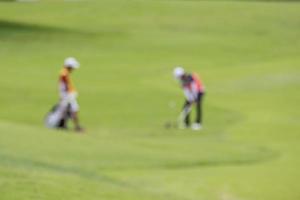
(58, 116)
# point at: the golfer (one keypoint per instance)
(193, 89)
(68, 94)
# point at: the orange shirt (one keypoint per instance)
(192, 86)
(65, 83)
(198, 82)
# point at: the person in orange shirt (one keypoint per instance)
(68, 94)
(193, 89)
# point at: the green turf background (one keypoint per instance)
(247, 53)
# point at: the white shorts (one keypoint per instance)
(69, 100)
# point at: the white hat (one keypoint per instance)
(71, 62)
(178, 72)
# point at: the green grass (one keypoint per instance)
(246, 52)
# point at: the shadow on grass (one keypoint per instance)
(265, 155)
(20, 30)
(94, 175)
(14, 29)
(17, 27)
(40, 165)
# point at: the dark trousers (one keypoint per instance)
(198, 104)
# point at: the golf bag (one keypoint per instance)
(58, 116)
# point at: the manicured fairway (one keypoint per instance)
(247, 53)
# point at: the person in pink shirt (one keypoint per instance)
(193, 90)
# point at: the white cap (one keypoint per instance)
(71, 62)
(178, 72)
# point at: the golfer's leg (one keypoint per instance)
(74, 108)
(199, 109)
(187, 116)
(66, 115)
(75, 120)
(62, 109)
